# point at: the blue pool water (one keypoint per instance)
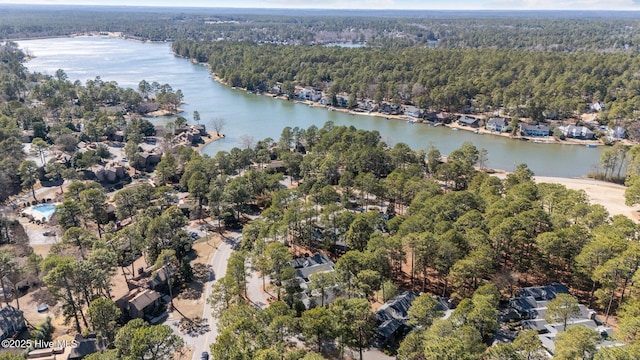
(45, 210)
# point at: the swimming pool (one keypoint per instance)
(43, 211)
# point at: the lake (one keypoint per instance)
(129, 62)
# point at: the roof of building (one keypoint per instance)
(397, 308)
(468, 120)
(10, 318)
(316, 259)
(498, 121)
(306, 272)
(529, 127)
(548, 292)
(87, 346)
(144, 299)
(394, 314)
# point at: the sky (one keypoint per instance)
(364, 4)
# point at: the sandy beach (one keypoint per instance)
(607, 194)
(213, 136)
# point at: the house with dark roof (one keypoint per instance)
(544, 293)
(140, 303)
(497, 124)
(11, 322)
(531, 306)
(160, 279)
(87, 346)
(470, 121)
(392, 317)
(307, 266)
(534, 130)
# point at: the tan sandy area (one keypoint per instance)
(213, 136)
(609, 195)
(204, 250)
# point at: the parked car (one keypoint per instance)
(194, 236)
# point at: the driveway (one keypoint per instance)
(255, 292)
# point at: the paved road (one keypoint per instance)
(219, 261)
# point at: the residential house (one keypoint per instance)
(392, 317)
(531, 306)
(309, 94)
(342, 101)
(201, 128)
(118, 136)
(389, 109)
(151, 158)
(413, 112)
(534, 130)
(497, 124)
(597, 106)
(307, 266)
(367, 105)
(140, 303)
(160, 280)
(276, 89)
(470, 121)
(618, 132)
(11, 322)
(87, 346)
(111, 173)
(576, 132)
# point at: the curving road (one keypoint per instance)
(201, 342)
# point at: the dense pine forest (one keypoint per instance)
(539, 85)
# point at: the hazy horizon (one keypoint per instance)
(578, 5)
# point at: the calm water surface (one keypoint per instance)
(128, 62)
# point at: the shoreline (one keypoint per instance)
(212, 137)
(453, 125)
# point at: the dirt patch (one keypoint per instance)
(185, 354)
(190, 301)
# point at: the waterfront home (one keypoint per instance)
(534, 130)
(11, 322)
(497, 124)
(389, 109)
(367, 105)
(342, 101)
(617, 132)
(413, 112)
(576, 132)
(309, 94)
(276, 89)
(469, 121)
